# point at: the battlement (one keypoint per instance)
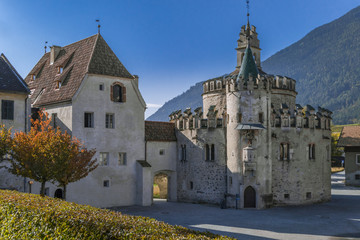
(300, 117)
(214, 85)
(188, 120)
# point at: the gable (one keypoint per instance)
(10, 80)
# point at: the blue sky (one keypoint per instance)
(170, 44)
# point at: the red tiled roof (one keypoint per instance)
(90, 55)
(159, 131)
(350, 137)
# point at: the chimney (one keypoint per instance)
(54, 52)
(136, 79)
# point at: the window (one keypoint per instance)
(239, 117)
(308, 195)
(53, 119)
(209, 152)
(106, 183)
(109, 120)
(7, 109)
(212, 152)
(230, 181)
(101, 87)
(211, 86)
(358, 159)
(183, 153)
(104, 159)
(118, 92)
(32, 77)
(261, 117)
(122, 158)
(311, 151)
(60, 70)
(357, 176)
(218, 85)
(287, 196)
(284, 151)
(162, 152)
(89, 120)
(191, 185)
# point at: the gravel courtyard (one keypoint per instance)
(338, 219)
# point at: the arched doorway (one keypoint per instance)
(160, 186)
(58, 193)
(249, 198)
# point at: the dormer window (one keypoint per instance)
(58, 85)
(60, 70)
(32, 77)
(118, 92)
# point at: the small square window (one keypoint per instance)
(101, 87)
(122, 158)
(287, 196)
(106, 183)
(357, 176)
(104, 159)
(109, 120)
(308, 195)
(162, 152)
(89, 120)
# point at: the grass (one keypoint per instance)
(29, 216)
(337, 169)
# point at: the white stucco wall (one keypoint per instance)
(127, 136)
(165, 163)
(19, 123)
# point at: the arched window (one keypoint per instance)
(118, 92)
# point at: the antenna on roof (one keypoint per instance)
(45, 46)
(98, 21)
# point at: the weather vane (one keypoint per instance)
(248, 9)
(98, 21)
(45, 46)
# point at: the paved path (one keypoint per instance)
(335, 220)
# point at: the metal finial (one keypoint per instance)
(248, 9)
(45, 46)
(98, 21)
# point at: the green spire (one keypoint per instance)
(248, 65)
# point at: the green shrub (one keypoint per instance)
(29, 216)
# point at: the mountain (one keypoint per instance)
(325, 63)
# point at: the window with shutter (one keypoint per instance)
(118, 92)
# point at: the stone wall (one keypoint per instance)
(201, 180)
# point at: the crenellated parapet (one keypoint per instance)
(188, 120)
(214, 85)
(300, 117)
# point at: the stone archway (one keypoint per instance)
(161, 186)
(249, 197)
(59, 193)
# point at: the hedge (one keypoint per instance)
(29, 216)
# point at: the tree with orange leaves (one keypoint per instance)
(72, 161)
(46, 154)
(32, 152)
(5, 143)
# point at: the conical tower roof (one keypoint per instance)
(248, 65)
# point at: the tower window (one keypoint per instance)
(284, 151)
(308, 195)
(261, 117)
(101, 87)
(311, 148)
